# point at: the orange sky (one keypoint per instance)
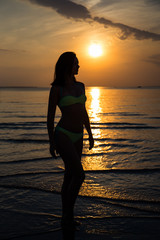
(32, 36)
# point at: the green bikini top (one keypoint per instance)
(70, 100)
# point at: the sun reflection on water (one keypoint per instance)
(95, 109)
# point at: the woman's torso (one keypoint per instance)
(71, 103)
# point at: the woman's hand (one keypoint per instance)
(53, 151)
(91, 142)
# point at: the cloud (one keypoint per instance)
(5, 51)
(127, 31)
(76, 11)
(155, 59)
(66, 8)
(155, 3)
(104, 3)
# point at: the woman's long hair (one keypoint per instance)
(63, 68)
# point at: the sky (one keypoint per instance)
(34, 33)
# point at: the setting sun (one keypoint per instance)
(95, 50)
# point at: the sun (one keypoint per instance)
(95, 50)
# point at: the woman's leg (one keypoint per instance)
(79, 147)
(74, 174)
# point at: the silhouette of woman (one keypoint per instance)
(67, 137)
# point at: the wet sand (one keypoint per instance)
(112, 228)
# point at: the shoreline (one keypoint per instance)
(137, 228)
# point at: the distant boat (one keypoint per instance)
(139, 86)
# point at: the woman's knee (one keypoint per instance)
(83, 176)
(79, 177)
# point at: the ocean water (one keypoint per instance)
(122, 170)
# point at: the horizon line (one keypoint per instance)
(138, 86)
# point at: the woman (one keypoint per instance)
(67, 138)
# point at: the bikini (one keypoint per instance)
(67, 101)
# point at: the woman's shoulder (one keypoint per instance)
(81, 84)
(55, 90)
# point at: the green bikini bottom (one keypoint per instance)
(74, 137)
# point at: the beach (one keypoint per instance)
(92, 228)
(136, 229)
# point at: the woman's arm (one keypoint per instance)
(88, 128)
(88, 125)
(53, 100)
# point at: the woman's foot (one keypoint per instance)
(76, 223)
(69, 223)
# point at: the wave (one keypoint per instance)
(28, 160)
(31, 174)
(45, 141)
(23, 125)
(105, 171)
(127, 127)
(122, 125)
(25, 116)
(94, 198)
(42, 214)
(119, 140)
(107, 154)
(122, 114)
(119, 123)
(151, 151)
(119, 145)
(154, 117)
(39, 141)
(58, 157)
(86, 138)
(42, 140)
(108, 125)
(126, 171)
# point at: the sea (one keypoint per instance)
(120, 198)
